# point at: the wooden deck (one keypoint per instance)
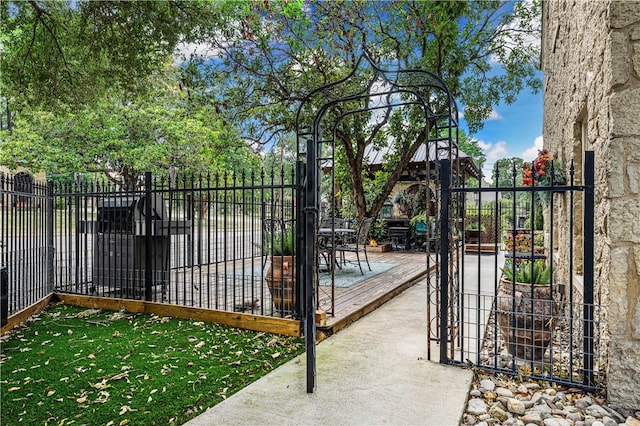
(193, 286)
(354, 302)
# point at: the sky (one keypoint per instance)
(512, 131)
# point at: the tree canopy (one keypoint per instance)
(65, 53)
(91, 88)
(84, 60)
(273, 54)
(124, 137)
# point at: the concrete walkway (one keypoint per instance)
(373, 372)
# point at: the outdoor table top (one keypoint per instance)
(328, 231)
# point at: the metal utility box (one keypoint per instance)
(123, 249)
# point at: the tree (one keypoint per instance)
(507, 173)
(57, 53)
(124, 137)
(274, 53)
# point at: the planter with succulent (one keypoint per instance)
(281, 275)
(525, 308)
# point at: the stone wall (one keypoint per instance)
(591, 63)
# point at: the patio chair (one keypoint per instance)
(359, 243)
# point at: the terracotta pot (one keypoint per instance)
(525, 318)
(281, 278)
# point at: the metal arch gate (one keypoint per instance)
(468, 302)
(324, 108)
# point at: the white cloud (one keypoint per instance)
(493, 152)
(184, 51)
(531, 152)
(495, 115)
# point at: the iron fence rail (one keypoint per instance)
(25, 244)
(194, 242)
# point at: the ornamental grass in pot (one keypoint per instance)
(525, 308)
(281, 275)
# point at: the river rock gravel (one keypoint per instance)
(503, 400)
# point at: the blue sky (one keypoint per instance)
(513, 130)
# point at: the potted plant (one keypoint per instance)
(377, 234)
(279, 245)
(522, 242)
(525, 308)
(419, 222)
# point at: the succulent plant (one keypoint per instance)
(536, 272)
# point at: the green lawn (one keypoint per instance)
(72, 365)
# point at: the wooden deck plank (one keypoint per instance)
(200, 283)
(354, 302)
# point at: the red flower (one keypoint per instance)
(537, 173)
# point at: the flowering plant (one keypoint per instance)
(543, 171)
(522, 242)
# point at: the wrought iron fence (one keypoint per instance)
(25, 246)
(517, 293)
(192, 241)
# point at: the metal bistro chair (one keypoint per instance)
(328, 239)
(359, 244)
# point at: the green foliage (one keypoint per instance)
(420, 217)
(280, 242)
(71, 55)
(270, 59)
(378, 230)
(526, 271)
(471, 147)
(61, 53)
(100, 367)
(472, 225)
(507, 171)
(123, 138)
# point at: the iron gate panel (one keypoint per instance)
(548, 332)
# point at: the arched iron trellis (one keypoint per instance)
(367, 87)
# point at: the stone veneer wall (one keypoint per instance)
(591, 62)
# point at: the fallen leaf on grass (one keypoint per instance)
(272, 342)
(223, 393)
(103, 397)
(275, 355)
(88, 313)
(120, 376)
(100, 385)
(125, 408)
(13, 389)
(81, 399)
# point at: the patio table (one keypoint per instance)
(324, 235)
